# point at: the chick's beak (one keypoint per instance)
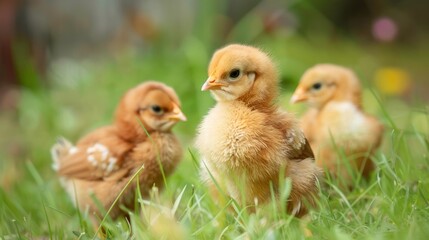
(177, 115)
(298, 96)
(211, 84)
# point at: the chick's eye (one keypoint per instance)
(235, 73)
(316, 86)
(157, 109)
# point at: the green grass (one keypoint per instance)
(393, 204)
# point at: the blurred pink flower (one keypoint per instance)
(384, 29)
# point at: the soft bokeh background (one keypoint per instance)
(65, 64)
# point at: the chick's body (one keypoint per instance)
(335, 121)
(245, 140)
(102, 163)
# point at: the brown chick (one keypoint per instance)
(336, 121)
(245, 140)
(102, 162)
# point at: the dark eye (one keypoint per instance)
(157, 109)
(317, 86)
(234, 73)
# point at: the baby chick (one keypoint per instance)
(98, 167)
(246, 137)
(335, 120)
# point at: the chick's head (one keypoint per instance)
(241, 72)
(327, 82)
(151, 104)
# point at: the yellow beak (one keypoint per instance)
(298, 96)
(177, 114)
(211, 84)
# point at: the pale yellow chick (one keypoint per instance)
(335, 121)
(246, 141)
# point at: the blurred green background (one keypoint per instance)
(65, 64)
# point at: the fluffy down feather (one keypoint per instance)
(246, 140)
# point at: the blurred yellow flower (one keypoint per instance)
(392, 81)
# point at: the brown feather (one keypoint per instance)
(102, 162)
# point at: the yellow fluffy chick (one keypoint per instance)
(245, 140)
(335, 121)
(102, 162)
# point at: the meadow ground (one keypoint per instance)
(82, 95)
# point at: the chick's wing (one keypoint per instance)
(297, 145)
(95, 160)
